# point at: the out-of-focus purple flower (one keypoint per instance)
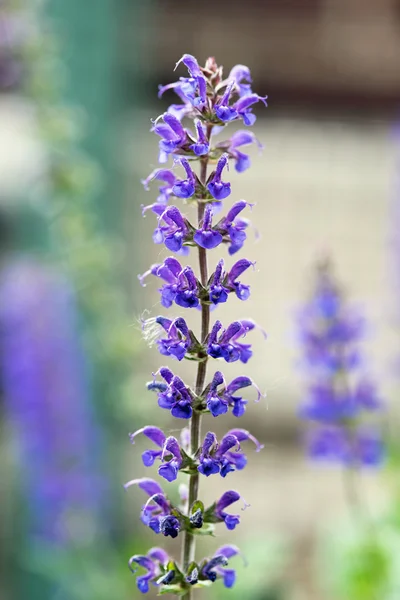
(48, 402)
(339, 396)
(238, 139)
(153, 562)
(330, 330)
(327, 404)
(361, 448)
(173, 394)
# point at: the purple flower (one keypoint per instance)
(206, 237)
(191, 63)
(217, 188)
(218, 402)
(169, 453)
(329, 329)
(220, 514)
(223, 283)
(225, 344)
(223, 111)
(157, 516)
(215, 567)
(173, 395)
(327, 404)
(242, 78)
(181, 284)
(222, 458)
(218, 292)
(165, 190)
(226, 110)
(153, 562)
(338, 396)
(202, 145)
(191, 90)
(244, 104)
(175, 230)
(234, 227)
(172, 133)
(355, 448)
(185, 188)
(238, 139)
(242, 291)
(187, 290)
(219, 343)
(171, 458)
(157, 436)
(178, 341)
(195, 85)
(48, 405)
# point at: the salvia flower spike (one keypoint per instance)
(341, 400)
(211, 103)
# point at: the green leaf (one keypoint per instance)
(193, 565)
(196, 506)
(171, 566)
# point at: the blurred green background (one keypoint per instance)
(78, 87)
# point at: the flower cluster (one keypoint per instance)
(210, 101)
(340, 397)
(182, 287)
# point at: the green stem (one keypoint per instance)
(189, 542)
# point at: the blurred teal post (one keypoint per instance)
(89, 33)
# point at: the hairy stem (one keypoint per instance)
(189, 543)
